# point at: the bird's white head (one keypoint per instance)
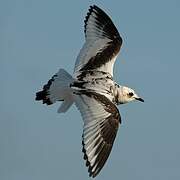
(127, 95)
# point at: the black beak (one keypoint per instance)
(140, 99)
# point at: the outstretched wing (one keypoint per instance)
(101, 121)
(102, 44)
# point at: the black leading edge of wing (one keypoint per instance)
(98, 23)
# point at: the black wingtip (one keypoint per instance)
(103, 22)
(90, 10)
(92, 173)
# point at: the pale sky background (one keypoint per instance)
(37, 37)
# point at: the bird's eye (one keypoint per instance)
(130, 94)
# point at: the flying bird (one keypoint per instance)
(92, 89)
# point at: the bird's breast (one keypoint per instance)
(95, 81)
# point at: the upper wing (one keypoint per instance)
(102, 44)
(101, 121)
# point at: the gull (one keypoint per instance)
(92, 89)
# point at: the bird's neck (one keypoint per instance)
(119, 95)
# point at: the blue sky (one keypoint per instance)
(37, 38)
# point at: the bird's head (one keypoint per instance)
(128, 95)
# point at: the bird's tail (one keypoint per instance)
(57, 89)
